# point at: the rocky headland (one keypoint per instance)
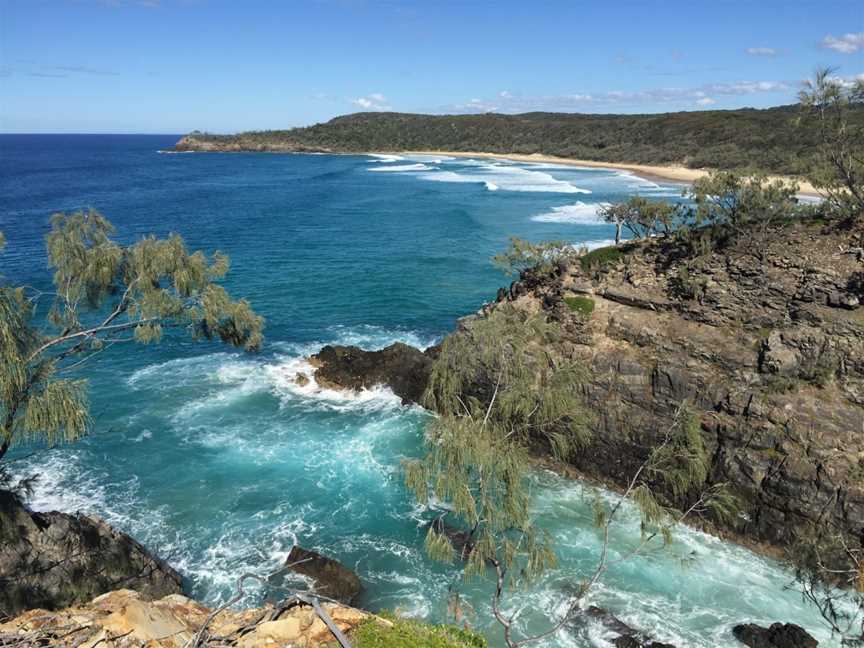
(765, 339)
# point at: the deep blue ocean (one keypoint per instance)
(219, 462)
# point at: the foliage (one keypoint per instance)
(829, 109)
(104, 294)
(499, 389)
(477, 447)
(830, 574)
(728, 201)
(582, 305)
(600, 258)
(726, 139)
(725, 207)
(407, 633)
(541, 257)
(643, 217)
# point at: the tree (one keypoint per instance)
(837, 167)
(103, 294)
(642, 217)
(501, 389)
(541, 257)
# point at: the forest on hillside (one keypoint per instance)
(764, 139)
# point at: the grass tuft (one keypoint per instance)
(407, 633)
(600, 258)
(582, 305)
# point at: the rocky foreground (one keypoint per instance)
(125, 619)
(765, 339)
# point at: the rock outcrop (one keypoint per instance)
(332, 579)
(240, 143)
(779, 635)
(126, 619)
(403, 368)
(762, 342)
(764, 339)
(52, 560)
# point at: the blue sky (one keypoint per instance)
(171, 66)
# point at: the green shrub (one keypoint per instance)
(600, 258)
(582, 305)
(407, 633)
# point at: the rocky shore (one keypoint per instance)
(766, 342)
(52, 560)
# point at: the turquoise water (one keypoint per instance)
(219, 462)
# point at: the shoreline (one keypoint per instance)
(675, 174)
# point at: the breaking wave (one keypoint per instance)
(579, 212)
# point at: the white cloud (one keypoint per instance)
(374, 101)
(761, 51)
(504, 94)
(846, 44)
(848, 81)
(704, 95)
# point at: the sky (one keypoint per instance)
(172, 66)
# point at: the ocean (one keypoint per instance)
(219, 462)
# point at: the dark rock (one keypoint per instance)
(332, 579)
(628, 637)
(779, 635)
(501, 295)
(462, 542)
(53, 560)
(403, 368)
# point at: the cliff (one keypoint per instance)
(765, 338)
(51, 560)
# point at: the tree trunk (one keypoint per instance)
(618, 233)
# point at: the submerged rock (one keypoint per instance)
(462, 541)
(779, 635)
(628, 637)
(332, 579)
(401, 367)
(52, 560)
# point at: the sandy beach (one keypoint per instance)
(679, 174)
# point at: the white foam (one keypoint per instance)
(384, 157)
(403, 167)
(579, 212)
(509, 177)
(599, 243)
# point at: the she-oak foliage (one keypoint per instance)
(500, 389)
(478, 446)
(104, 293)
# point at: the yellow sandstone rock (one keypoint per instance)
(124, 619)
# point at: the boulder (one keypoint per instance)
(53, 560)
(779, 635)
(332, 579)
(403, 368)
